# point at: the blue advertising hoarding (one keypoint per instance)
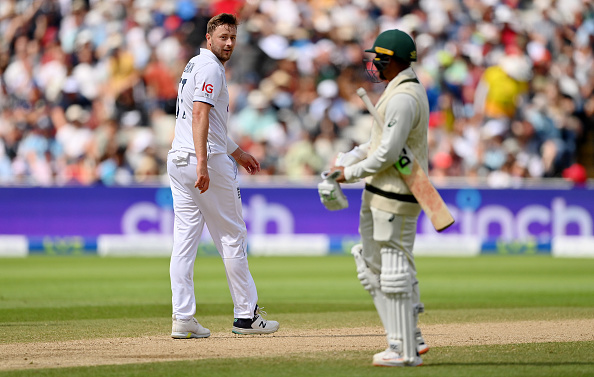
(83, 213)
(518, 214)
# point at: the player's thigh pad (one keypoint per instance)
(371, 248)
(384, 225)
(394, 230)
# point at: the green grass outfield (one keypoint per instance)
(45, 299)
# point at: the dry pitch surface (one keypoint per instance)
(227, 345)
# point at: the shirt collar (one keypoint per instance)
(208, 53)
(403, 75)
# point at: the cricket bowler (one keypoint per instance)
(389, 212)
(203, 175)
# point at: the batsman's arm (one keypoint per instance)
(416, 179)
(353, 156)
(349, 158)
(399, 120)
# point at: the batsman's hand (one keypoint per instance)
(347, 159)
(331, 194)
(249, 162)
(338, 172)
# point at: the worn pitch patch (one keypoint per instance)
(110, 351)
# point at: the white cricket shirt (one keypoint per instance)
(203, 80)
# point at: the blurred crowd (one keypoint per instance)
(88, 88)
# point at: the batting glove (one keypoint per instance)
(350, 158)
(331, 194)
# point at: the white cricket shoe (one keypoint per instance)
(188, 328)
(256, 325)
(422, 347)
(389, 358)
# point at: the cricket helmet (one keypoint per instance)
(389, 44)
(395, 43)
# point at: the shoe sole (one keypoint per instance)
(399, 365)
(423, 350)
(379, 364)
(241, 331)
(384, 363)
(188, 335)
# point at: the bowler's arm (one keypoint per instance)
(200, 125)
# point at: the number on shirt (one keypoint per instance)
(180, 100)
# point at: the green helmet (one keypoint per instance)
(395, 43)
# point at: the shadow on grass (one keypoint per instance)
(21, 315)
(510, 364)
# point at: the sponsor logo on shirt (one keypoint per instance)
(208, 88)
(403, 163)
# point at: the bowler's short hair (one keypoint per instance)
(221, 19)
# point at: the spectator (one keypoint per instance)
(524, 65)
(161, 85)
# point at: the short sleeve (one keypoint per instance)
(209, 82)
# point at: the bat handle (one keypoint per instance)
(361, 92)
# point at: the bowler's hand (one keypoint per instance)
(249, 162)
(340, 178)
(203, 180)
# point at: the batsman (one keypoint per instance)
(389, 212)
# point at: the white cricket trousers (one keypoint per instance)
(220, 208)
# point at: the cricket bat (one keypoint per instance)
(415, 178)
